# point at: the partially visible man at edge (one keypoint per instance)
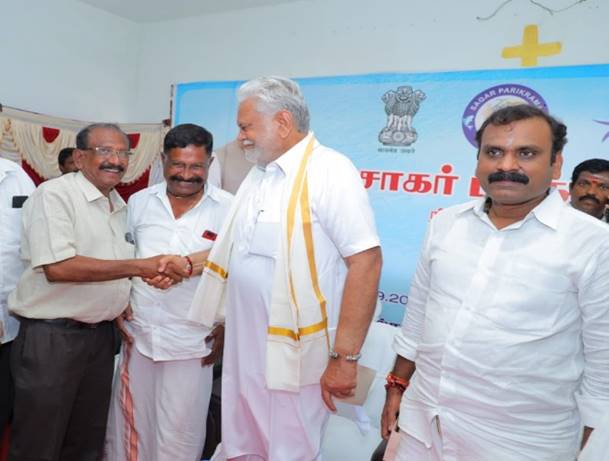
(166, 363)
(15, 187)
(78, 261)
(299, 256)
(589, 187)
(506, 336)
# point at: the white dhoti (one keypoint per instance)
(158, 410)
(273, 425)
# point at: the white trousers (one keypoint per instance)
(411, 449)
(158, 410)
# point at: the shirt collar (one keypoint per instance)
(547, 212)
(288, 161)
(92, 193)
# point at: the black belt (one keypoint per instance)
(68, 323)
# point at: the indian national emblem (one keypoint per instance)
(401, 106)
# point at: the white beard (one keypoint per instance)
(253, 155)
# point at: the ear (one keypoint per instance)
(78, 156)
(285, 121)
(557, 166)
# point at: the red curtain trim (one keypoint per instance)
(33, 174)
(128, 189)
(134, 139)
(49, 134)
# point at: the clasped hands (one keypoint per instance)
(163, 271)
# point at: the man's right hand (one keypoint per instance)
(390, 411)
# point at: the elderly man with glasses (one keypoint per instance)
(78, 262)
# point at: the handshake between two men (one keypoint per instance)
(163, 271)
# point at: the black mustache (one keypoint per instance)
(508, 176)
(590, 197)
(105, 166)
(194, 180)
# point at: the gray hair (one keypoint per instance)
(82, 138)
(274, 94)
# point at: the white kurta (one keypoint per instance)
(509, 330)
(279, 425)
(161, 392)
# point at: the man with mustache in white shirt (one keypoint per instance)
(504, 349)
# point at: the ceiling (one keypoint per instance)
(164, 10)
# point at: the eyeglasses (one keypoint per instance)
(108, 151)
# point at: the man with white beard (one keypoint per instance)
(298, 258)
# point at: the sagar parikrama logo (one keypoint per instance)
(494, 98)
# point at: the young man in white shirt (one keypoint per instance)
(506, 337)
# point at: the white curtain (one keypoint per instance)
(21, 137)
(35, 150)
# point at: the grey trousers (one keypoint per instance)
(63, 377)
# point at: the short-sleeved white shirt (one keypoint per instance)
(63, 218)
(14, 183)
(160, 325)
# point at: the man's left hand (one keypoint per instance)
(217, 336)
(339, 380)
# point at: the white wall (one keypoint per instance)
(65, 58)
(333, 37)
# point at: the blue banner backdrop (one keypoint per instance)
(412, 138)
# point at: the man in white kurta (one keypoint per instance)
(162, 389)
(264, 418)
(287, 424)
(508, 314)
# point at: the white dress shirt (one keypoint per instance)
(509, 330)
(14, 182)
(160, 326)
(65, 217)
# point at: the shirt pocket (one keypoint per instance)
(528, 299)
(265, 240)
